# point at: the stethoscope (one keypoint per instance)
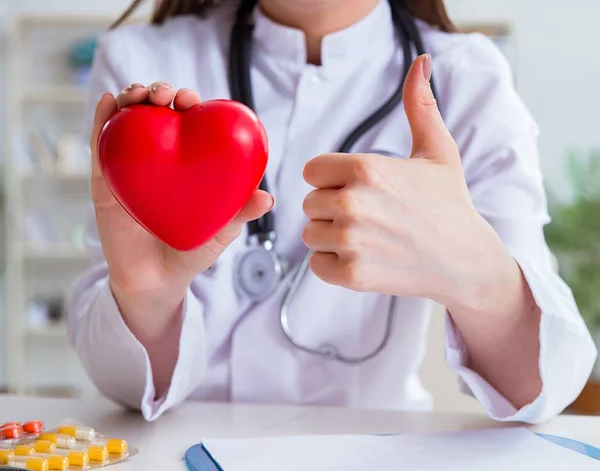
(261, 269)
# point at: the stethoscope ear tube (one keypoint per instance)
(261, 268)
(240, 56)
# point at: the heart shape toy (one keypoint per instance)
(183, 176)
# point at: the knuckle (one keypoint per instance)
(349, 204)
(365, 170)
(352, 276)
(349, 241)
(428, 100)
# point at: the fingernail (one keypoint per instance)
(157, 86)
(427, 67)
(132, 87)
(272, 203)
(103, 97)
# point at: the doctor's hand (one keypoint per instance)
(148, 278)
(404, 227)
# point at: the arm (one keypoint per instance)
(503, 323)
(123, 366)
(460, 222)
(517, 339)
(136, 320)
(133, 349)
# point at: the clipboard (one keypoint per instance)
(198, 458)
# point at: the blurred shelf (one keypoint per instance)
(40, 175)
(58, 331)
(54, 252)
(55, 94)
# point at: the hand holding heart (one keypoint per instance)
(146, 275)
(401, 226)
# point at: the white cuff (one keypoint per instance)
(567, 353)
(119, 364)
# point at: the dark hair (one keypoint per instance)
(432, 11)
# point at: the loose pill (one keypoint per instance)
(34, 426)
(27, 462)
(115, 446)
(80, 433)
(10, 431)
(44, 446)
(61, 441)
(98, 453)
(23, 450)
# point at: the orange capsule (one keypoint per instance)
(10, 424)
(34, 426)
(8, 432)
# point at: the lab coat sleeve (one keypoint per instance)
(115, 360)
(500, 157)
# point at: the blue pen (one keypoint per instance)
(197, 458)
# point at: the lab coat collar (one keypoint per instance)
(372, 34)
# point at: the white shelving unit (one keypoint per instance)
(40, 93)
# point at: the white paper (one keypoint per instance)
(512, 449)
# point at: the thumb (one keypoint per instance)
(106, 106)
(431, 138)
(260, 204)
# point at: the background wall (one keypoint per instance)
(554, 56)
(557, 65)
(556, 62)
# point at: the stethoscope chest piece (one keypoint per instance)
(259, 272)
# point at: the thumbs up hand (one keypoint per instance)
(404, 227)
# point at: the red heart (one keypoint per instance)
(183, 176)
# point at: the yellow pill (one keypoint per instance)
(23, 450)
(61, 441)
(76, 458)
(5, 454)
(80, 433)
(98, 453)
(27, 462)
(115, 446)
(44, 446)
(58, 462)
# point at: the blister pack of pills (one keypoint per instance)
(68, 446)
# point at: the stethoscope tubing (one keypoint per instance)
(241, 90)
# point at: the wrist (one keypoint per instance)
(485, 277)
(493, 290)
(151, 314)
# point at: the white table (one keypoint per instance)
(163, 442)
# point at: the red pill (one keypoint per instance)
(10, 431)
(10, 424)
(35, 426)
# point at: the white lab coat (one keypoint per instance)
(233, 350)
